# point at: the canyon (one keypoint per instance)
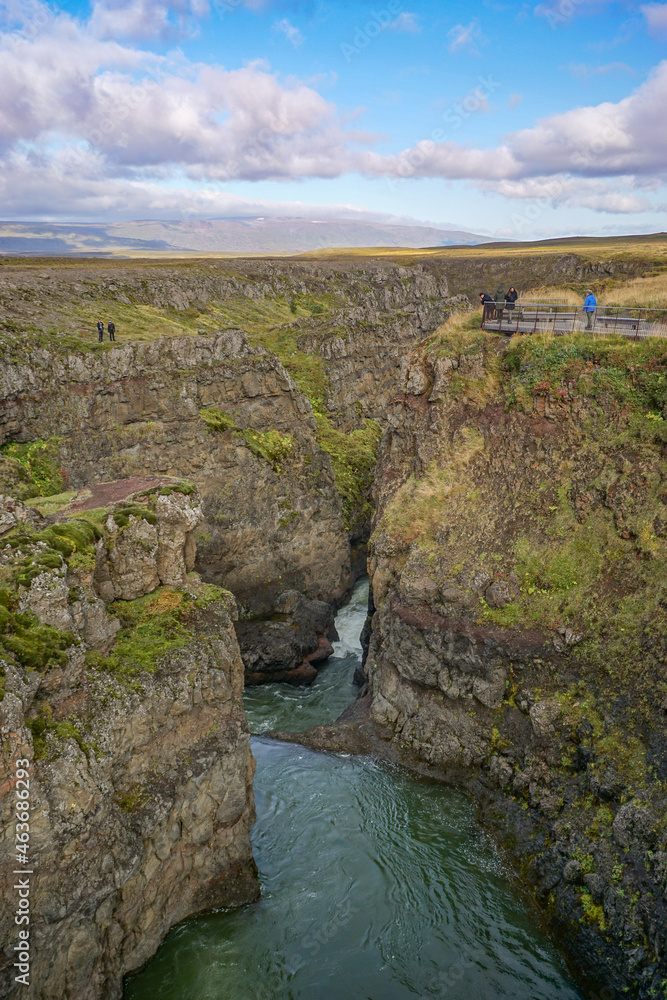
(297, 423)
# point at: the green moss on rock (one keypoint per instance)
(123, 514)
(217, 420)
(25, 641)
(353, 457)
(72, 542)
(31, 469)
(42, 726)
(272, 446)
(151, 627)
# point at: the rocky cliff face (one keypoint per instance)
(520, 638)
(271, 510)
(278, 427)
(122, 688)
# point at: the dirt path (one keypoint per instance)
(103, 494)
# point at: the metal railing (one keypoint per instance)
(559, 318)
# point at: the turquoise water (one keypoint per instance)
(375, 886)
(293, 709)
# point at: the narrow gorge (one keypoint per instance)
(185, 511)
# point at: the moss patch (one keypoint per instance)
(43, 726)
(72, 542)
(217, 420)
(24, 641)
(271, 446)
(593, 912)
(32, 469)
(151, 627)
(133, 799)
(123, 514)
(185, 488)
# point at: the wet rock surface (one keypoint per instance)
(288, 644)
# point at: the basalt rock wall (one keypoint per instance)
(272, 517)
(519, 637)
(129, 719)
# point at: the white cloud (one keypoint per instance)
(656, 17)
(202, 119)
(291, 33)
(605, 140)
(585, 72)
(563, 192)
(405, 22)
(466, 37)
(73, 185)
(146, 18)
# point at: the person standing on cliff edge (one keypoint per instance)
(111, 327)
(499, 298)
(590, 305)
(100, 331)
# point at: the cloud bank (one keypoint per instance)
(92, 125)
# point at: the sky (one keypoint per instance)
(508, 119)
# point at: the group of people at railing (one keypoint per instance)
(495, 307)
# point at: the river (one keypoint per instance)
(376, 885)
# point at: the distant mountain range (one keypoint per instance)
(232, 236)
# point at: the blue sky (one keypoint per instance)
(507, 119)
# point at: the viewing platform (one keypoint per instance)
(560, 318)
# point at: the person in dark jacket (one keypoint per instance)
(488, 307)
(499, 298)
(111, 327)
(510, 298)
(100, 331)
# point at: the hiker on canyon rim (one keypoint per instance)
(590, 305)
(499, 298)
(511, 295)
(111, 327)
(100, 331)
(487, 302)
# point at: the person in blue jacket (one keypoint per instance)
(590, 305)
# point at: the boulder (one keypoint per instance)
(178, 516)
(132, 559)
(501, 771)
(499, 594)
(543, 715)
(633, 823)
(284, 645)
